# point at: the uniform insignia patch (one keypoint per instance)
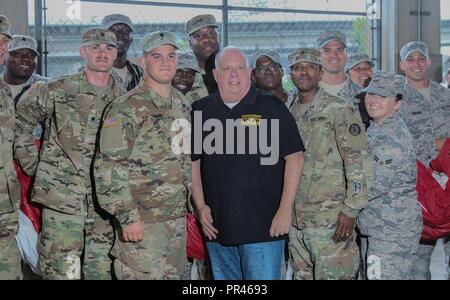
(355, 129)
(251, 120)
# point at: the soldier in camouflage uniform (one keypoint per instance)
(129, 73)
(142, 181)
(5, 38)
(70, 108)
(18, 77)
(426, 111)
(10, 266)
(204, 41)
(359, 68)
(337, 177)
(267, 74)
(333, 53)
(391, 223)
(20, 64)
(184, 79)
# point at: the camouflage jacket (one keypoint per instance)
(350, 91)
(70, 112)
(9, 184)
(338, 169)
(426, 120)
(198, 90)
(393, 210)
(138, 174)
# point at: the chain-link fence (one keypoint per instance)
(281, 25)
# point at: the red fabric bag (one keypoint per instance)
(31, 210)
(195, 241)
(435, 200)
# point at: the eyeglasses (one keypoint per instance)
(272, 67)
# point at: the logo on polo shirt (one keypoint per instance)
(251, 120)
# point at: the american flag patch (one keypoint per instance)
(111, 122)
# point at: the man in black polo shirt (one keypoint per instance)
(247, 162)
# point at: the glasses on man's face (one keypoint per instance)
(272, 67)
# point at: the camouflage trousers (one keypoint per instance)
(160, 255)
(74, 247)
(10, 259)
(314, 255)
(388, 259)
(422, 259)
(198, 270)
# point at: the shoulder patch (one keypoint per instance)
(355, 129)
(113, 121)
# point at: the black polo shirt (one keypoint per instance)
(243, 194)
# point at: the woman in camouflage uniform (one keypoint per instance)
(391, 224)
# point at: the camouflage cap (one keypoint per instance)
(5, 26)
(96, 35)
(158, 38)
(447, 66)
(23, 42)
(199, 22)
(355, 59)
(273, 55)
(304, 55)
(113, 19)
(385, 84)
(329, 36)
(187, 60)
(411, 47)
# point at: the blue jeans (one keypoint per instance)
(256, 261)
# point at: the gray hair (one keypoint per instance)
(226, 49)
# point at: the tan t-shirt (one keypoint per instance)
(123, 74)
(426, 92)
(333, 89)
(16, 89)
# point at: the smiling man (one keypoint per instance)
(337, 177)
(184, 78)
(204, 40)
(20, 65)
(244, 206)
(141, 181)
(267, 74)
(426, 111)
(333, 54)
(76, 236)
(122, 27)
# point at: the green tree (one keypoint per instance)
(359, 34)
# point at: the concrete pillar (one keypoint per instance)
(17, 12)
(411, 20)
